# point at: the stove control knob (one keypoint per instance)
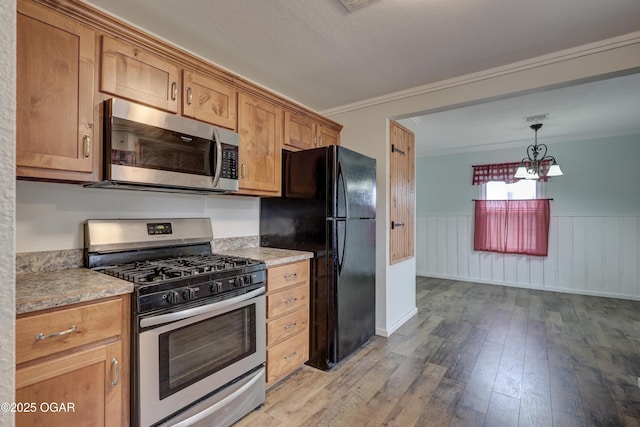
(247, 279)
(216, 287)
(173, 297)
(238, 282)
(190, 293)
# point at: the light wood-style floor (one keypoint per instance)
(479, 355)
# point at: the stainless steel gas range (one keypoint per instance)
(198, 334)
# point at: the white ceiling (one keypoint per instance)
(320, 55)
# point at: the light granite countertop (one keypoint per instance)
(48, 289)
(38, 291)
(270, 256)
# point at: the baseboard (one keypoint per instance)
(538, 288)
(387, 332)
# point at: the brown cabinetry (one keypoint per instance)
(133, 73)
(75, 361)
(302, 132)
(56, 137)
(287, 319)
(260, 158)
(208, 100)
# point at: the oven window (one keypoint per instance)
(196, 351)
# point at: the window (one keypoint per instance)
(519, 190)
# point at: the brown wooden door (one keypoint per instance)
(208, 100)
(260, 127)
(327, 136)
(133, 73)
(299, 131)
(402, 193)
(84, 381)
(55, 129)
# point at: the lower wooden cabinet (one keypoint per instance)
(287, 319)
(76, 375)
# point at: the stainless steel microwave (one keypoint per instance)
(148, 149)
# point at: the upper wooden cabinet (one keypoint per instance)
(208, 100)
(56, 136)
(260, 157)
(132, 73)
(302, 132)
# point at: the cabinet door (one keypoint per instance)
(327, 136)
(299, 131)
(88, 383)
(55, 93)
(135, 74)
(260, 128)
(208, 100)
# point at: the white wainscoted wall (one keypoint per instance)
(594, 236)
(592, 255)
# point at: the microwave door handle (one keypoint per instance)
(216, 176)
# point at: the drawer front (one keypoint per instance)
(287, 326)
(287, 275)
(287, 356)
(287, 300)
(92, 323)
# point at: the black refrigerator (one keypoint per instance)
(328, 207)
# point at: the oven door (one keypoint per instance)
(187, 355)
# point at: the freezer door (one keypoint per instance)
(354, 286)
(355, 185)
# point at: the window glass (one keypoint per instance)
(521, 190)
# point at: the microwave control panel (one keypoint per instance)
(229, 162)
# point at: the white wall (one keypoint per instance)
(7, 204)
(594, 245)
(49, 215)
(366, 130)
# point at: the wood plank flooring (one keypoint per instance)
(479, 355)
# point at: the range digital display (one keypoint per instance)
(159, 228)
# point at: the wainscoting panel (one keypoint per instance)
(591, 255)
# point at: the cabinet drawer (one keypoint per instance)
(287, 325)
(285, 275)
(92, 323)
(287, 356)
(287, 300)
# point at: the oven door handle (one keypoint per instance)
(216, 406)
(208, 308)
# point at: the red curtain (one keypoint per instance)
(503, 172)
(512, 226)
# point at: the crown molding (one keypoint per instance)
(539, 61)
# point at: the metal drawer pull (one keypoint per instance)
(289, 301)
(189, 96)
(42, 336)
(116, 372)
(87, 146)
(293, 325)
(174, 91)
(289, 356)
(291, 276)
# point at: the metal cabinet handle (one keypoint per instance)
(116, 372)
(315, 139)
(86, 142)
(242, 170)
(320, 140)
(293, 325)
(395, 225)
(189, 96)
(289, 301)
(289, 356)
(174, 91)
(291, 276)
(42, 336)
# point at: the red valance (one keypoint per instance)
(501, 172)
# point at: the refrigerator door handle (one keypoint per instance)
(343, 244)
(345, 190)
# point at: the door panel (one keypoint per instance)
(358, 175)
(355, 285)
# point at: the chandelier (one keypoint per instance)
(537, 163)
